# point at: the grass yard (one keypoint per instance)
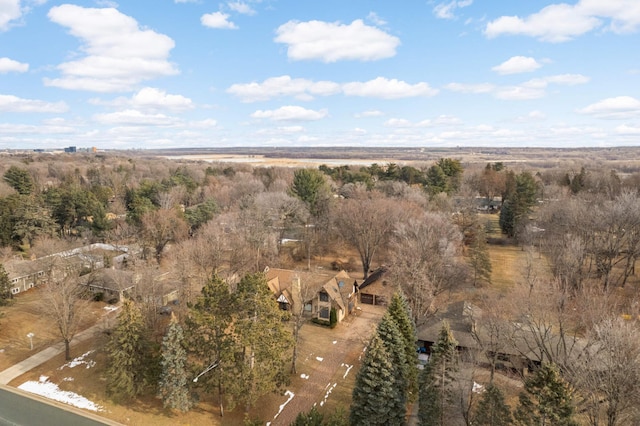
(328, 362)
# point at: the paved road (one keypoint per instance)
(18, 408)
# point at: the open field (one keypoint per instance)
(615, 157)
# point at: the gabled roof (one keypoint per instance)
(460, 316)
(339, 286)
(374, 277)
(110, 279)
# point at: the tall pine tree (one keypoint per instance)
(262, 343)
(546, 400)
(173, 381)
(436, 391)
(210, 340)
(392, 339)
(372, 401)
(401, 314)
(126, 355)
(491, 409)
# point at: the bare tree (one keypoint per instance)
(65, 302)
(425, 260)
(160, 227)
(608, 378)
(367, 224)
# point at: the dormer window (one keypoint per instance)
(324, 297)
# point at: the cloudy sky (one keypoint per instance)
(199, 73)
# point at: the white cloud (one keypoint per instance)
(440, 121)
(516, 65)
(627, 130)
(376, 20)
(119, 54)
(470, 88)
(10, 103)
(447, 10)
(134, 118)
(568, 79)
(333, 41)
(150, 99)
(217, 20)
(519, 93)
(385, 88)
(9, 11)
(241, 7)
(370, 113)
(620, 107)
(304, 89)
(562, 22)
(274, 87)
(9, 65)
(532, 116)
(291, 113)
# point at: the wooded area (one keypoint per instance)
(566, 326)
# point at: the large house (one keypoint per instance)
(26, 274)
(317, 293)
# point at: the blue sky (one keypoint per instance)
(183, 73)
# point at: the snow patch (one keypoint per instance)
(304, 376)
(319, 358)
(291, 395)
(50, 390)
(349, 367)
(79, 361)
(335, 341)
(477, 388)
(68, 379)
(110, 308)
(326, 395)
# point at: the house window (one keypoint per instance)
(30, 285)
(324, 297)
(15, 290)
(324, 313)
(15, 280)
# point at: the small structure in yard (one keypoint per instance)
(319, 293)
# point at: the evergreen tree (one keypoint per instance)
(479, 257)
(517, 203)
(310, 186)
(491, 409)
(126, 355)
(312, 418)
(210, 340)
(546, 400)
(5, 286)
(436, 391)
(372, 401)
(262, 343)
(20, 180)
(401, 314)
(393, 342)
(173, 383)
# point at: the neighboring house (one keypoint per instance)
(514, 350)
(318, 292)
(113, 284)
(339, 293)
(26, 274)
(376, 290)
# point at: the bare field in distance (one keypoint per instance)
(625, 159)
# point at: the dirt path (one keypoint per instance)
(328, 367)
